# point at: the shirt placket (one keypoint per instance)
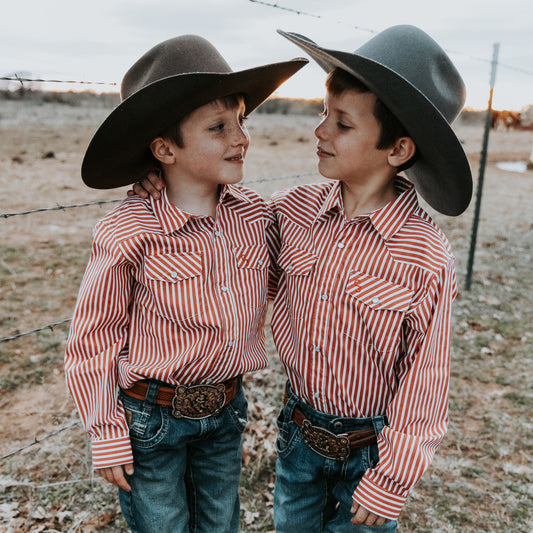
(222, 281)
(335, 264)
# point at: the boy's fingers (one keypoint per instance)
(363, 516)
(154, 179)
(140, 190)
(115, 476)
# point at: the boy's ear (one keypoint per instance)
(404, 148)
(163, 151)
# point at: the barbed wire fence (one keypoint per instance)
(59, 207)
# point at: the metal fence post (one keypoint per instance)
(482, 164)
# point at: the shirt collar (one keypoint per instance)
(333, 201)
(387, 220)
(172, 218)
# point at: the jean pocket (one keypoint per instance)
(288, 434)
(237, 411)
(148, 424)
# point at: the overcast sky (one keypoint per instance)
(98, 40)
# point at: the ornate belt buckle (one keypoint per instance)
(325, 443)
(198, 401)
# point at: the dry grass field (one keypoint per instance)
(482, 477)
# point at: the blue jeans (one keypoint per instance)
(313, 493)
(186, 472)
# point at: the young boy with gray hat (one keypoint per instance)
(171, 308)
(362, 315)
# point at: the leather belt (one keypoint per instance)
(328, 444)
(190, 401)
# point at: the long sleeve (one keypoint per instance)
(274, 245)
(418, 414)
(98, 334)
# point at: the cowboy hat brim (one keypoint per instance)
(118, 153)
(442, 173)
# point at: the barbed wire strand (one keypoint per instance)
(469, 56)
(48, 326)
(299, 12)
(58, 208)
(38, 441)
(40, 80)
(48, 485)
(99, 202)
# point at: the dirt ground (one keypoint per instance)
(482, 476)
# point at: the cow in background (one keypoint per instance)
(508, 119)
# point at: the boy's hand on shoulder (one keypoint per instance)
(150, 185)
(115, 475)
(363, 516)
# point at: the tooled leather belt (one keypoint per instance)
(328, 444)
(190, 401)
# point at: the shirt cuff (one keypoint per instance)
(378, 501)
(112, 452)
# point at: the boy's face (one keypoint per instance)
(347, 138)
(215, 142)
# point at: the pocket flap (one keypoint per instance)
(253, 257)
(295, 261)
(378, 293)
(173, 267)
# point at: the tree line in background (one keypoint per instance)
(284, 106)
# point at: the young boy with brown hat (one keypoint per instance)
(171, 308)
(362, 315)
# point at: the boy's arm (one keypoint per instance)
(418, 415)
(274, 245)
(98, 333)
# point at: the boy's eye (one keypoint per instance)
(342, 126)
(242, 119)
(218, 127)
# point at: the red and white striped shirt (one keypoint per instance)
(361, 322)
(169, 296)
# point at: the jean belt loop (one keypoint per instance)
(379, 423)
(292, 401)
(151, 393)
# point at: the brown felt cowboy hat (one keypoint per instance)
(412, 75)
(166, 83)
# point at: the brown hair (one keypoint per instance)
(391, 129)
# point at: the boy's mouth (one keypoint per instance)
(322, 153)
(239, 158)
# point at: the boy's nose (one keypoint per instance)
(241, 135)
(320, 130)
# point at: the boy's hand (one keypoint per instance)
(150, 185)
(365, 517)
(115, 475)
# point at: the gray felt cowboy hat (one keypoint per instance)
(166, 83)
(412, 75)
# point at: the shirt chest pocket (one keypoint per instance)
(298, 267)
(379, 307)
(175, 283)
(252, 275)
